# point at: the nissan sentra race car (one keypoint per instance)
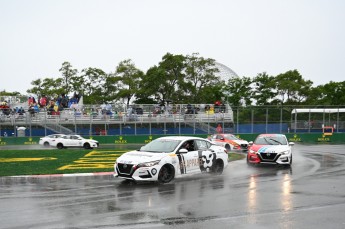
(49, 139)
(270, 149)
(230, 142)
(167, 158)
(74, 141)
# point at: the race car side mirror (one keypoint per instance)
(291, 143)
(183, 151)
(250, 143)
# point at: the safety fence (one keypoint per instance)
(177, 119)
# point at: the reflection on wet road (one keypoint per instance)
(310, 194)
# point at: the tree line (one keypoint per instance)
(185, 79)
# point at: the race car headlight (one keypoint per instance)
(252, 151)
(284, 152)
(148, 164)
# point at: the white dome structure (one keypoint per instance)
(225, 73)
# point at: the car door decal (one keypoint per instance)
(208, 162)
(181, 163)
(201, 164)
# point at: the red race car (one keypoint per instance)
(270, 149)
(229, 141)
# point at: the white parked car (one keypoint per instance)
(165, 158)
(49, 139)
(75, 141)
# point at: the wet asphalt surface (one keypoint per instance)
(310, 194)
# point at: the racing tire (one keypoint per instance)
(59, 146)
(86, 146)
(290, 163)
(218, 167)
(248, 163)
(46, 144)
(166, 174)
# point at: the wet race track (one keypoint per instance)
(309, 195)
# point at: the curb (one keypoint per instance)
(65, 175)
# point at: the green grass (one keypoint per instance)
(36, 162)
(236, 156)
(54, 161)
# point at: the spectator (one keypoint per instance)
(64, 101)
(20, 111)
(217, 106)
(5, 108)
(31, 100)
(43, 101)
(51, 107)
(31, 109)
(219, 129)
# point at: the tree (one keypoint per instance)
(264, 89)
(200, 75)
(91, 84)
(239, 91)
(68, 72)
(127, 78)
(152, 86)
(48, 86)
(292, 88)
(7, 93)
(332, 93)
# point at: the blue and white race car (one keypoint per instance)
(167, 158)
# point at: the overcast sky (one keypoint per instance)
(249, 36)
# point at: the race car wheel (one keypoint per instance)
(248, 163)
(218, 167)
(59, 146)
(291, 160)
(166, 174)
(87, 146)
(46, 144)
(228, 147)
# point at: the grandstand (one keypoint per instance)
(118, 119)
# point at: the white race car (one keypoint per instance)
(165, 158)
(49, 139)
(75, 141)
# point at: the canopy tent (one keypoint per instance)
(318, 110)
(318, 123)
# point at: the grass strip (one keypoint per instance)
(54, 161)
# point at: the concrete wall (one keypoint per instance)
(338, 138)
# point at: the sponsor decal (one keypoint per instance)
(324, 138)
(208, 161)
(121, 141)
(148, 140)
(30, 142)
(295, 138)
(2, 143)
(181, 163)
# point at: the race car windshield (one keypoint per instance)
(270, 141)
(230, 137)
(161, 145)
